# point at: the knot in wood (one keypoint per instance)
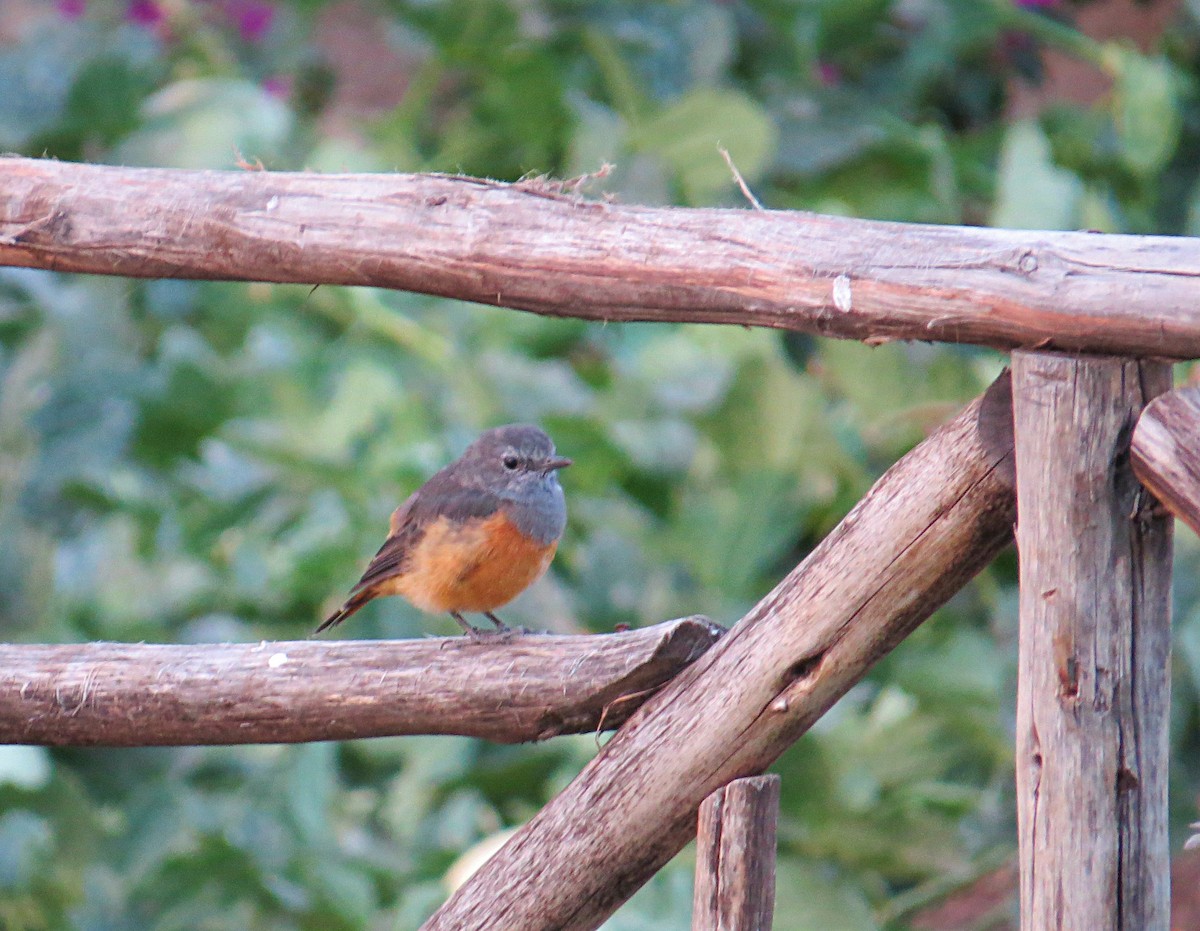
(803, 668)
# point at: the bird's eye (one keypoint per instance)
(510, 462)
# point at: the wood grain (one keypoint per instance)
(1166, 452)
(527, 687)
(735, 856)
(527, 246)
(1093, 693)
(927, 526)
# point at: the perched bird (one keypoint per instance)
(475, 535)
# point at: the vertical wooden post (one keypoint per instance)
(735, 856)
(1094, 687)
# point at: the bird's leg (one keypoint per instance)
(468, 629)
(500, 625)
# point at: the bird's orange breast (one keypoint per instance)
(470, 566)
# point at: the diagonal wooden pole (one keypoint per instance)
(1166, 452)
(1094, 688)
(935, 519)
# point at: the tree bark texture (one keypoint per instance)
(531, 246)
(928, 525)
(735, 856)
(504, 689)
(1166, 452)
(1094, 680)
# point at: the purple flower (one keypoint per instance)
(71, 9)
(827, 73)
(253, 18)
(1036, 3)
(144, 12)
(279, 85)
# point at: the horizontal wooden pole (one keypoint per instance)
(929, 524)
(1166, 452)
(510, 689)
(528, 246)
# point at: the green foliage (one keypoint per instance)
(198, 461)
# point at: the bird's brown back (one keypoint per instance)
(443, 496)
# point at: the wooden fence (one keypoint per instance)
(702, 710)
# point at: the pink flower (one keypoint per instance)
(71, 9)
(279, 85)
(827, 73)
(253, 18)
(144, 12)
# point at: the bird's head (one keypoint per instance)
(513, 458)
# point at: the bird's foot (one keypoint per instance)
(502, 628)
(495, 636)
(501, 633)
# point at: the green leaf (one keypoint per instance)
(365, 393)
(598, 138)
(36, 75)
(26, 842)
(1145, 107)
(731, 537)
(207, 123)
(1031, 191)
(311, 782)
(1187, 640)
(813, 900)
(689, 133)
(24, 767)
(663, 904)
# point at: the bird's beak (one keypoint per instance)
(549, 465)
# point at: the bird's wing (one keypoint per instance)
(440, 497)
(400, 514)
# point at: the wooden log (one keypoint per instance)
(526, 687)
(927, 526)
(529, 246)
(735, 856)
(1094, 681)
(1166, 452)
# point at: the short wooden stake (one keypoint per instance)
(1094, 685)
(735, 856)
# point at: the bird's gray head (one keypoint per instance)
(513, 460)
(518, 463)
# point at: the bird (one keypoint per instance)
(474, 536)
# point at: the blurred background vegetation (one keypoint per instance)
(184, 461)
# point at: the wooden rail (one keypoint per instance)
(510, 689)
(531, 247)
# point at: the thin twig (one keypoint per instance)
(737, 176)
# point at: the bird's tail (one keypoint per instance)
(353, 603)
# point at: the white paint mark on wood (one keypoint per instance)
(842, 299)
